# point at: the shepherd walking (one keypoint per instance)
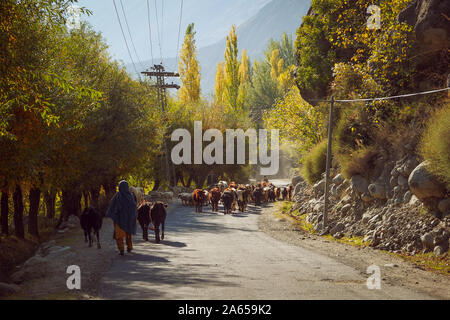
(122, 210)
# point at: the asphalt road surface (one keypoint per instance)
(213, 256)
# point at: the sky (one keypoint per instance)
(212, 18)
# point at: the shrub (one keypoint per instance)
(435, 144)
(361, 161)
(314, 163)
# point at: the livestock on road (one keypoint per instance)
(198, 197)
(158, 215)
(91, 221)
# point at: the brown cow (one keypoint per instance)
(198, 197)
(214, 198)
(289, 191)
(278, 193)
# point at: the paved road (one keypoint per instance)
(210, 256)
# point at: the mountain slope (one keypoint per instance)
(271, 21)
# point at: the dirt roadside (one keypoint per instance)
(93, 263)
(394, 271)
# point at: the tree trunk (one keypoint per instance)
(95, 194)
(50, 202)
(188, 184)
(182, 181)
(18, 213)
(110, 190)
(70, 205)
(86, 199)
(157, 184)
(4, 213)
(200, 181)
(35, 199)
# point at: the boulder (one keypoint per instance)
(318, 207)
(366, 217)
(407, 197)
(366, 197)
(298, 188)
(378, 191)
(339, 227)
(338, 179)
(439, 251)
(7, 289)
(409, 166)
(444, 206)
(424, 185)
(318, 227)
(402, 181)
(319, 187)
(296, 180)
(346, 208)
(414, 201)
(394, 181)
(428, 240)
(360, 184)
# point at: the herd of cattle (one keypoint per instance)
(152, 212)
(235, 196)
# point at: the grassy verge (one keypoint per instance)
(426, 261)
(299, 220)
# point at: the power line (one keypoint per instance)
(125, 39)
(179, 32)
(150, 30)
(384, 98)
(162, 23)
(129, 33)
(157, 29)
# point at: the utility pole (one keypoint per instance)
(328, 166)
(160, 73)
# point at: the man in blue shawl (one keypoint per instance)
(122, 210)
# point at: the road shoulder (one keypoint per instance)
(394, 271)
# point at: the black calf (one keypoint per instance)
(91, 220)
(158, 215)
(144, 219)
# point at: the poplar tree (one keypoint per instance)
(244, 80)
(231, 71)
(219, 86)
(189, 69)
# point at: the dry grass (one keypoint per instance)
(353, 241)
(435, 144)
(429, 261)
(314, 163)
(297, 219)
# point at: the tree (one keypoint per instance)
(189, 69)
(244, 81)
(219, 86)
(298, 121)
(231, 72)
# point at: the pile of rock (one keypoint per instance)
(388, 211)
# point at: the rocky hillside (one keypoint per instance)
(391, 211)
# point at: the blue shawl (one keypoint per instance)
(122, 209)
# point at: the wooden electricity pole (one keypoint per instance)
(328, 165)
(160, 73)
